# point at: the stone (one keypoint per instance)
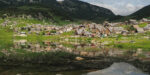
(79, 58)
(139, 51)
(18, 74)
(59, 74)
(83, 53)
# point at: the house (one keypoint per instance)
(138, 29)
(147, 28)
(117, 30)
(80, 31)
(145, 20)
(133, 22)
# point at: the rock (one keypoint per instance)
(139, 51)
(59, 74)
(119, 69)
(83, 53)
(18, 74)
(79, 58)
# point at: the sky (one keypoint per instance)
(121, 7)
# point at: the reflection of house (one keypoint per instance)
(30, 1)
(34, 1)
(79, 49)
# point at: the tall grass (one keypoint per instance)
(47, 58)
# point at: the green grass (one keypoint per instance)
(139, 42)
(142, 25)
(6, 38)
(143, 44)
(68, 33)
(128, 27)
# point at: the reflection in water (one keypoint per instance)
(115, 69)
(119, 69)
(89, 49)
(80, 49)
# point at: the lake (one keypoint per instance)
(115, 69)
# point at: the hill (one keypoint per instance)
(142, 13)
(54, 10)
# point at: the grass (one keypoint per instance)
(47, 58)
(68, 33)
(134, 42)
(142, 25)
(6, 39)
(128, 27)
(143, 44)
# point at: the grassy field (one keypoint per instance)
(6, 37)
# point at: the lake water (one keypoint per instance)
(84, 49)
(115, 69)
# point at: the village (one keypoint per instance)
(80, 37)
(86, 30)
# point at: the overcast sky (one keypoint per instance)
(121, 7)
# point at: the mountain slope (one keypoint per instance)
(66, 10)
(142, 13)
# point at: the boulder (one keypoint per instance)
(79, 58)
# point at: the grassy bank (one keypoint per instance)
(20, 57)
